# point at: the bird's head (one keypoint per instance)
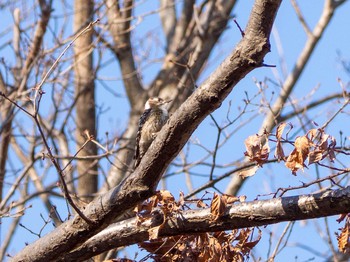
(154, 102)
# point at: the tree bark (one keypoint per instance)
(85, 93)
(239, 215)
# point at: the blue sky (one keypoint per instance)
(323, 69)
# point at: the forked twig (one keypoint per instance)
(35, 116)
(48, 73)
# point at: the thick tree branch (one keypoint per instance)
(181, 25)
(168, 17)
(85, 94)
(247, 56)
(242, 215)
(119, 26)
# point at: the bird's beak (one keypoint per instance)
(167, 101)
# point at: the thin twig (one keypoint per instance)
(48, 73)
(276, 250)
(336, 113)
(76, 153)
(301, 17)
(239, 27)
(61, 175)
(17, 105)
(305, 185)
(216, 147)
(35, 116)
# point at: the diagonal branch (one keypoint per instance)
(140, 185)
(168, 17)
(119, 20)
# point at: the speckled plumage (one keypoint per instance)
(151, 122)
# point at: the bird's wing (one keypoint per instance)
(142, 120)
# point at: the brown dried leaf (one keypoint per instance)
(217, 207)
(302, 144)
(243, 235)
(200, 203)
(248, 172)
(297, 158)
(315, 156)
(279, 153)
(279, 130)
(249, 245)
(323, 143)
(215, 249)
(167, 201)
(165, 196)
(163, 199)
(229, 199)
(343, 240)
(153, 232)
(203, 246)
(323, 146)
(256, 151)
(320, 143)
(295, 161)
(244, 246)
(313, 133)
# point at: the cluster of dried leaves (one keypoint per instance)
(344, 236)
(217, 246)
(314, 146)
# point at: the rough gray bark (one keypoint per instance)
(85, 103)
(247, 55)
(239, 215)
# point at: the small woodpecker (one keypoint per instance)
(151, 122)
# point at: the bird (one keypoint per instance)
(154, 117)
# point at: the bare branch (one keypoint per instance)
(119, 23)
(168, 17)
(301, 17)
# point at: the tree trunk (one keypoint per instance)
(85, 95)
